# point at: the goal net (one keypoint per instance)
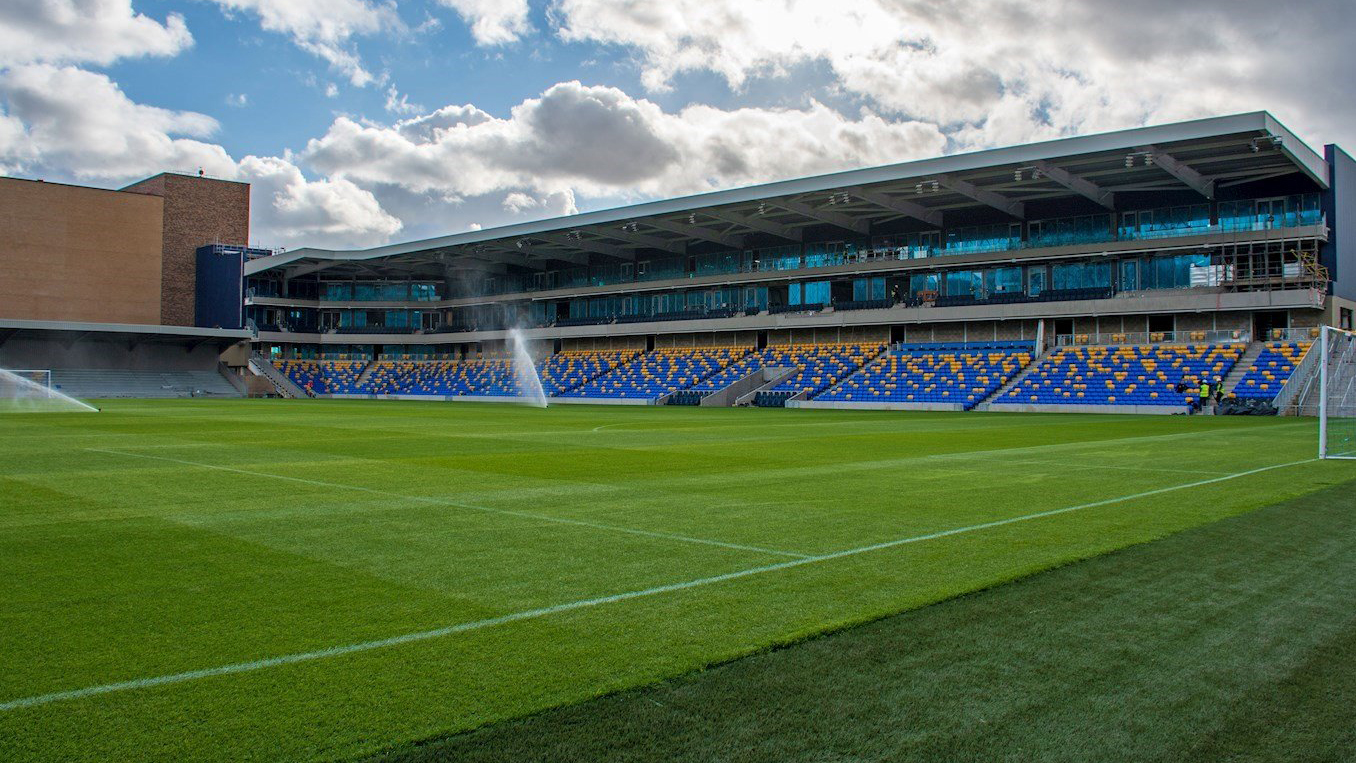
(1337, 394)
(41, 379)
(26, 390)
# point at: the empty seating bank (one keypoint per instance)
(961, 376)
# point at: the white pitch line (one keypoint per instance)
(531, 614)
(620, 423)
(459, 505)
(1068, 465)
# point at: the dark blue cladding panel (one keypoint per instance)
(1339, 204)
(221, 293)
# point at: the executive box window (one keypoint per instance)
(1080, 275)
(813, 293)
(864, 289)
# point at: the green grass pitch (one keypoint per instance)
(322, 579)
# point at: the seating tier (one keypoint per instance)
(1127, 375)
(1271, 370)
(659, 373)
(960, 377)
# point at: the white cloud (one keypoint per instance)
(518, 201)
(238, 100)
(79, 124)
(84, 31)
(1003, 71)
(600, 142)
(399, 103)
(332, 212)
(324, 28)
(83, 122)
(493, 22)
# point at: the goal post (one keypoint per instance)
(40, 377)
(1337, 394)
(25, 382)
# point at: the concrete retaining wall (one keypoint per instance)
(598, 401)
(1130, 409)
(437, 398)
(880, 406)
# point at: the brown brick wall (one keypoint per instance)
(198, 211)
(70, 253)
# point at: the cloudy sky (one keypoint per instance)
(365, 121)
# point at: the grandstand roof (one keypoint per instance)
(132, 333)
(1200, 157)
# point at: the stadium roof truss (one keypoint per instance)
(1203, 157)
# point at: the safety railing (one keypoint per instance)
(1234, 336)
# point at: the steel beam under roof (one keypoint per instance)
(697, 231)
(1079, 185)
(831, 217)
(576, 240)
(917, 211)
(755, 223)
(1194, 180)
(983, 196)
(673, 246)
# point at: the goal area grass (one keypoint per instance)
(333, 579)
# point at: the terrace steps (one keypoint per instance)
(121, 383)
(772, 375)
(366, 374)
(1240, 368)
(986, 403)
(265, 368)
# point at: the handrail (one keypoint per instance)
(1293, 395)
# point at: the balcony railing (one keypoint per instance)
(1155, 337)
(613, 276)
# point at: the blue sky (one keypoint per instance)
(359, 122)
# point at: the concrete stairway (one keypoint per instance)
(361, 381)
(285, 386)
(765, 378)
(1240, 368)
(115, 383)
(986, 403)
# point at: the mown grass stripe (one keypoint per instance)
(288, 659)
(459, 505)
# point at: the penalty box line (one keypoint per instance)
(458, 505)
(365, 646)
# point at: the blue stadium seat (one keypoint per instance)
(1271, 370)
(962, 377)
(660, 372)
(1126, 375)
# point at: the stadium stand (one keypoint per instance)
(109, 383)
(821, 367)
(659, 373)
(489, 376)
(323, 377)
(1271, 370)
(1128, 375)
(732, 373)
(469, 377)
(567, 370)
(963, 374)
